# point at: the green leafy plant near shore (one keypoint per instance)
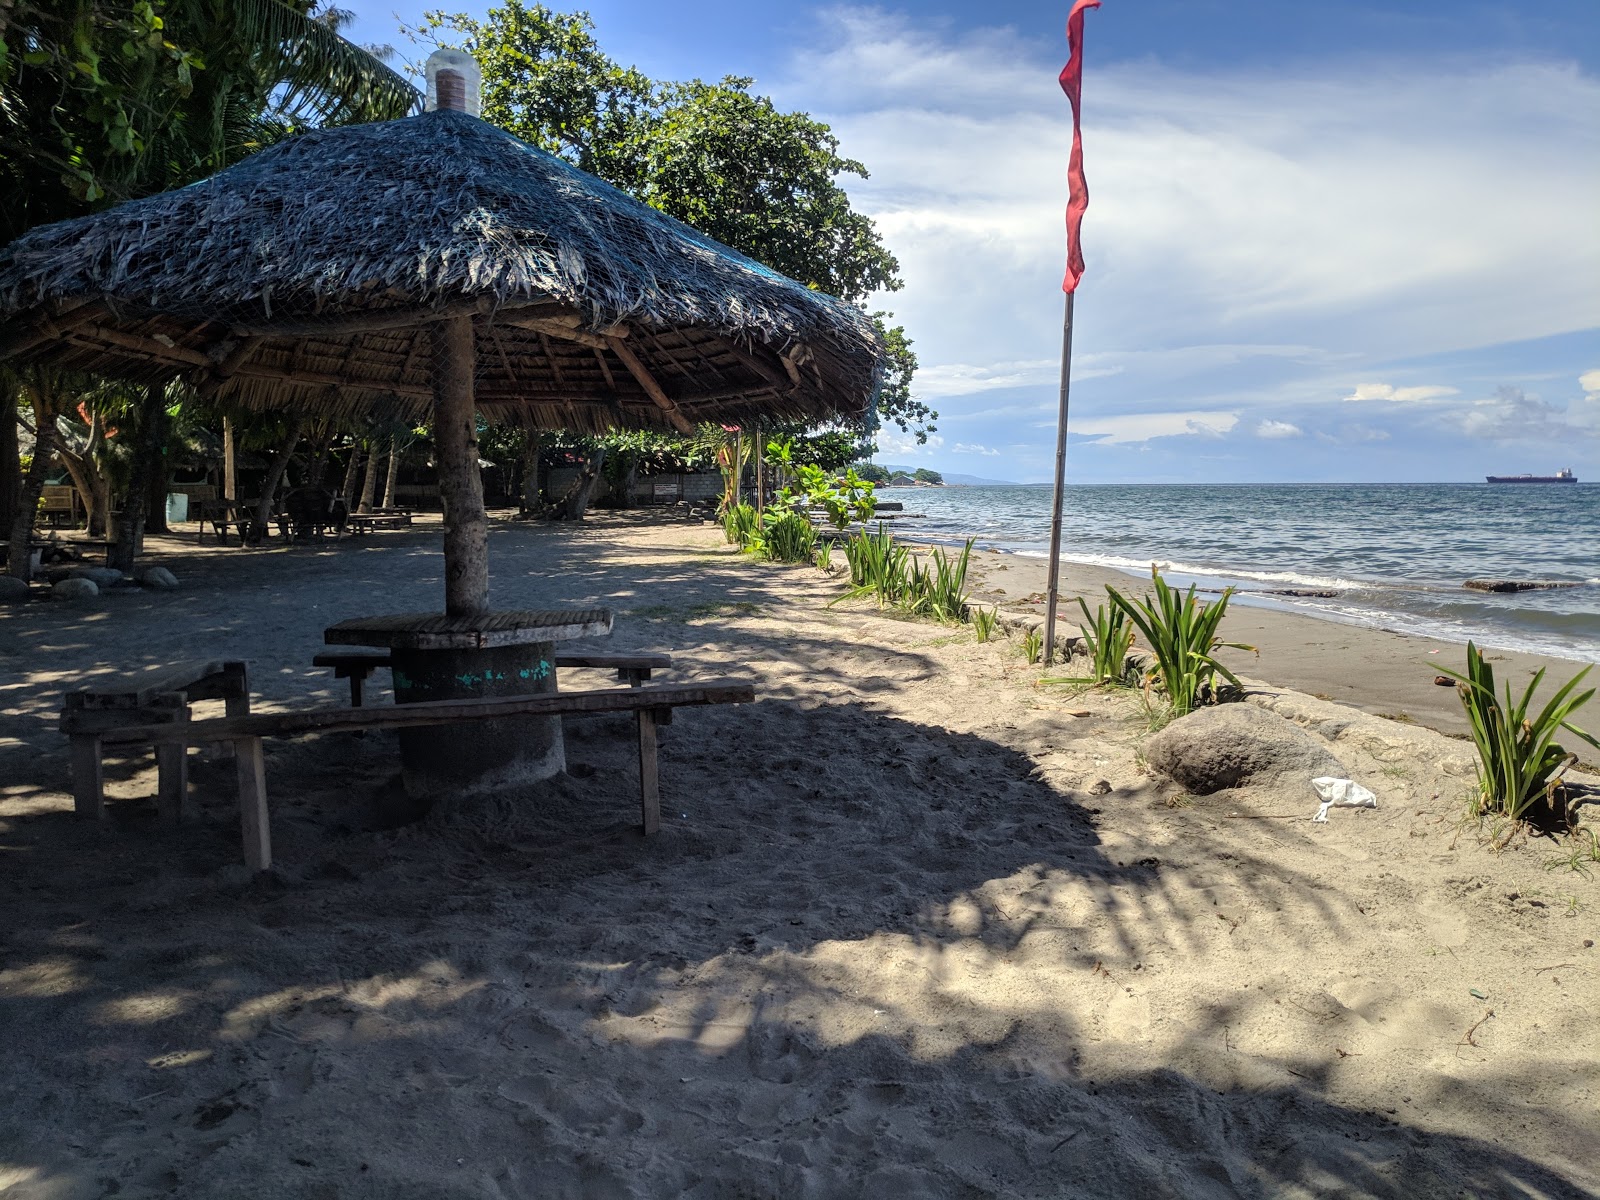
(1033, 645)
(788, 537)
(1108, 636)
(1520, 763)
(1181, 631)
(882, 568)
(825, 557)
(739, 525)
(984, 621)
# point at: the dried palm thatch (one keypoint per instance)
(308, 277)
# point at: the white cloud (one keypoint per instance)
(1511, 415)
(964, 448)
(1589, 381)
(1141, 427)
(894, 444)
(1403, 395)
(1278, 429)
(965, 379)
(1252, 207)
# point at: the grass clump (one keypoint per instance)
(1520, 763)
(1108, 637)
(1033, 645)
(882, 568)
(984, 621)
(1181, 631)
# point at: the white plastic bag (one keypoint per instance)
(1341, 793)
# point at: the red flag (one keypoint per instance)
(1077, 187)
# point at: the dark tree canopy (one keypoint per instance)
(713, 155)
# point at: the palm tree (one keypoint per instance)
(174, 90)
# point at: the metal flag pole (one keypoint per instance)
(1071, 80)
(1052, 589)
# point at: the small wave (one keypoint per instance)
(1140, 566)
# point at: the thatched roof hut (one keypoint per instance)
(307, 275)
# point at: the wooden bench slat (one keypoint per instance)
(437, 712)
(136, 691)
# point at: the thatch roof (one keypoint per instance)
(306, 277)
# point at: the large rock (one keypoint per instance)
(99, 576)
(158, 577)
(76, 588)
(12, 589)
(1234, 745)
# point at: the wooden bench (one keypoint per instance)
(356, 665)
(653, 706)
(367, 522)
(147, 699)
(222, 515)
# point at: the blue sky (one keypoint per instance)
(1326, 241)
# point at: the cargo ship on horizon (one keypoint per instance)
(1564, 475)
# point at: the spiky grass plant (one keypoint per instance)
(825, 557)
(879, 567)
(1520, 763)
(1108, 636)
(789, 537)
(740, 525)
(1181, 631)
(984, 621)
(1033, 645)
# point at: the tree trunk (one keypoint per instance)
(44, 424)
(349, 489)
(629, 478)
(269, 486)
(155, 510)
(455, 432)
(369, 486)
(573, 505)
(230, 479)
(150, 441)
(317, 467)
(532, 454)
(392, 479)
(10, 458)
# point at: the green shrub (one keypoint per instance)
(984, 621)
(1519, 761)
(878, 567)
(1181, 632)
(825, 557)
(1108, 636)
(739, 525)
(789, 537)
(1033, 645)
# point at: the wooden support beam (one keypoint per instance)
(752, 361)
(652, 389)
(466, 524)
(50, 327)
(253, 820)
(155, 348)
(649, 772)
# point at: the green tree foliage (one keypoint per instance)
(872, 472)
(104, 100)
(714, 155)
(924, 475)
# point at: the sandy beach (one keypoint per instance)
(916, 924)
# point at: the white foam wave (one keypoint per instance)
(1141, 566)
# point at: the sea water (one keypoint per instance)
(1394, 555)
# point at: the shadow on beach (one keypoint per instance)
(865, 956)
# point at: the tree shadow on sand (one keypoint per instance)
(863, 957)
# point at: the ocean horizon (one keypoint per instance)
(1392, 556)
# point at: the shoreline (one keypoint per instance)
(1383, 672)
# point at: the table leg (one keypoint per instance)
(253, 820)
(649, 772)
(88, 782)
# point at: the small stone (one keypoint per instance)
(13, 589)
(1444, 681)
(1588, 943)
(1100, 787)
(74, 589)
(158, 577)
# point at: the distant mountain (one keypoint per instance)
(951, 477)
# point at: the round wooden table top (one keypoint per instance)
(435, 631)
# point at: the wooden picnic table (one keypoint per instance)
(434, 657)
